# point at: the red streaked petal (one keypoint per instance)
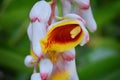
(62, 34)
(62, 37)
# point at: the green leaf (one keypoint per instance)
(11, 60)
(99, 69)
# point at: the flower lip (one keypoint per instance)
(62, 36)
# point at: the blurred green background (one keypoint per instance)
(98, 60)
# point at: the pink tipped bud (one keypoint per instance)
(88, 17)
(46, 68)
(44, 76)
(28, 61)
(41, 11)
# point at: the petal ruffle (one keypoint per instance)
(86, 35)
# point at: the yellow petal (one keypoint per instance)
(62, 36)
(61, 76)
(53, 56)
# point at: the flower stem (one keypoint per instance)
(36, 65)
(53, 4)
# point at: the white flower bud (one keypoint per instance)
(41, 11)
(46, 66)
(88, 17)
(36, 76)
(28, 61)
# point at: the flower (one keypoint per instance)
(64, 35)
(39, 17)
(38, 25)
(29, 61)
(53, 42)
(88, 17)
(63, 68)
(46, 67)
(41, 11)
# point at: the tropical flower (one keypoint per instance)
(53, 41)
(64, 35)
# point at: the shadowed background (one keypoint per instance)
(97, 60)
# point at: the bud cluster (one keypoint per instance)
(53, 38)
